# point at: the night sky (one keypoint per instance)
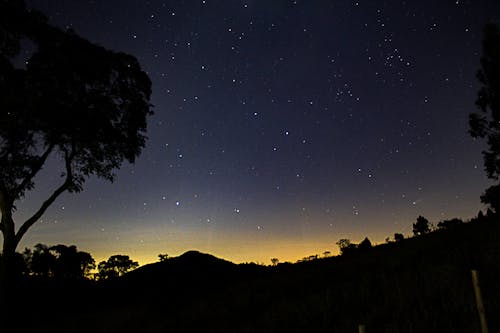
(280, 126)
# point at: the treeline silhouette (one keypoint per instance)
(61, 262)
(416, 284)
(421, 227)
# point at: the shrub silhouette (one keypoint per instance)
(162, 257)
(398, 237)
(447, 224)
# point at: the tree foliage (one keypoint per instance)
(59, 262)
(162, 257)
(398, 237)
(345, 246)
(421, 226)
(71, 263)
(40, 261)
(491, 196)
(73, 101)
(365, 244)
(485, 123)
(116, 266)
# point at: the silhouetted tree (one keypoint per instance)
(491, 196)
(115, 266)
(70, 263)
(421, 226)
(275, 261)
(19, 266)
(485, 124)
(75, 101)
(326, 254)
(343, 243)
(59, 261)
(163, 257)
(40, 261)
(447, 224)
(398, 237)
(345, 246)
(365, 244)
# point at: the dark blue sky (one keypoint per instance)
(281, 126)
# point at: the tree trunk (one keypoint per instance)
(7, 267)
(9, 244)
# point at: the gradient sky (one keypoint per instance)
(280, 126)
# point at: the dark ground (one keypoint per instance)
(421, 284)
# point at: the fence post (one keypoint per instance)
(479, 302)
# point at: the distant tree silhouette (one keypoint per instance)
(115, 266)
(345, 246)
(275, 261)
(73, 100)
(365, 244)
(478, 218)
(20, 266)
(447, 224)
(485, 124)
(70, 263)
(343, 243)
(40, 261)
(398, 237)
(326, 254)
(308, 258)
(59, 261)
(421, 226)
(163, 257)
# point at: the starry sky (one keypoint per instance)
(280, 126)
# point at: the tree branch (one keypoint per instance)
(4, 201)
(2, 198)
(46, 204)
(36, 168)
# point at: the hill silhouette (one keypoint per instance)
(189, 265)
(421, 284)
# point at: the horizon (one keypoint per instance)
(293, 251)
